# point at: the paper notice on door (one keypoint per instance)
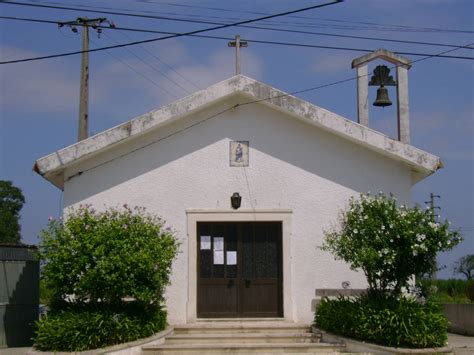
(218, 243)
(218, 257)
(231, 258)
(205, 242)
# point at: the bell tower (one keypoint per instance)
(382, 78)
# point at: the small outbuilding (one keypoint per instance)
(249, 177)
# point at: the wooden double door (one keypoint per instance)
(239, 269)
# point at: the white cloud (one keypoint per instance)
(52, 86)
(40, 86)
(332, 63)
(220, 66)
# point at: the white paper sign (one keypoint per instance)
(231, 258)
(205, 242)
(218, 243)
(218, 257)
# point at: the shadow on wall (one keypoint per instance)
(19, 295)
(276, 134)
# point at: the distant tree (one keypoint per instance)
(465, 266)
(11, 202)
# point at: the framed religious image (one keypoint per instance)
(239, 153)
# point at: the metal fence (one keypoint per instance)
(19, 295)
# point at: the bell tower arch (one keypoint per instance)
(381, 77)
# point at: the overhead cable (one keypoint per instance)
(181, 34)
(97, 10)
(265, 29)
(194, 34)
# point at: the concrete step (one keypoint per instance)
(243, 338)
(273, 348)
(241, 327)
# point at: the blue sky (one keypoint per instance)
(39, 99)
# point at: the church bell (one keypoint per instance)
(382, 78)
(382, 99)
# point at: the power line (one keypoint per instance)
(193, 34)
(351, 78)
(384, 27)
(185, 34)
(233, 107)
(140, 74)
(306, 18)
(270, 29)
(152, 67)
(161, 61)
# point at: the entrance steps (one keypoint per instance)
(239, 337)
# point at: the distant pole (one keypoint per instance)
(83, 126)
(433, 208)
(237, 44)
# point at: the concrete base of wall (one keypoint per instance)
(131, 348)
(355, 346)
(461, 318)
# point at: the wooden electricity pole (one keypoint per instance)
(237, 44)
(85, 23)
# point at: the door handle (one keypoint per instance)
(247, 283)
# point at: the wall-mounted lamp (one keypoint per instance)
(235, 200)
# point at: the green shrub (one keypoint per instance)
(91, 262)
(446, 291)
(384, 320)
(80, 327)
(106, 256)
(389, 243)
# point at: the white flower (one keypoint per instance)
(356, 231)
(433, 225)
(383, 227)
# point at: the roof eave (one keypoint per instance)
(52, 166)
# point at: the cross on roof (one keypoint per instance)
(237, 44)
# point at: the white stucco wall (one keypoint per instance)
(293, 166)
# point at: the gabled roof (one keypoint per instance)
(381, 54)
(52, 166)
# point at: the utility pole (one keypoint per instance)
(431, 203)
(432, 207)
(85, 23)
(237, 44)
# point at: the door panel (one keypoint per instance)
(244, 279)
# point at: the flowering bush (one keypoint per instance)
(106, 256)
(107, 273)
(389, 243)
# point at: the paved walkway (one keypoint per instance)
(462, 345)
